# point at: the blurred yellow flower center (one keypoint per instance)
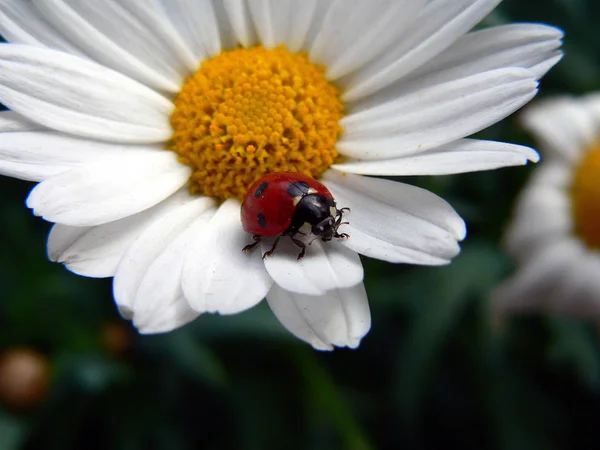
(249, 112)
(585, 193)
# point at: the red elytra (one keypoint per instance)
(289, 203)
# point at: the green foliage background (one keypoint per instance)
(434, 372)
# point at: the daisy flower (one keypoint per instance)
(555, 232)
(144, 122)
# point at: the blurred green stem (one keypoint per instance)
(327, 399)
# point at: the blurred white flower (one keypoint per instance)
(99, 89)
(555, 232)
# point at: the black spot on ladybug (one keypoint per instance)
(260, 190)
(262, 221)
(298, 189)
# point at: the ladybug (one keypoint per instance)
(287, 204)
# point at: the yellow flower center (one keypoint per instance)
(585, 193)
(249, 112)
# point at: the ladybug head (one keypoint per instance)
(318, 212)
(325, 229)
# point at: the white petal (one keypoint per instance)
(396, 222)
(197, 22)
(539, 283)
(578, 295)
(591, 103)
(36, 156)
(564, 126)
(11, 122)
(160, 305)
(140, 256)
(464, 155)
(158, 38)
(96, 251)
(356, 31)
(22, 23)
(438, 26)
(543, 216)
(239, 17)
(326, 266)
(554, 174)
(515, 45)
(108, 190)
(530, 46)
(97, 258)
(62, 237)
(217, 275)
(340, 317)
(80, 97)
(136, 45)
(321, 9)
(168, 316)
(284, 22)
(227, 34)
(264, 14)
(303, 14)
(543, 212)
(436, 115)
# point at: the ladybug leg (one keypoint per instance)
(340, 214)
(248, 248)
(300, 244)
(339, 223)
(272, 250)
